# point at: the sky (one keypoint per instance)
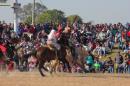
(98, 11)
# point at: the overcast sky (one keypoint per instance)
(99, 11)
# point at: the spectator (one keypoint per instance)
(89, 61)
(118, 61)
(110, 64)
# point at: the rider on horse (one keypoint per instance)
(54, 36)
(52, 40)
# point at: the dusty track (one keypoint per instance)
(62, 79)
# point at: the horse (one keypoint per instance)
(78, 57)
(45, 54)
(22, 59)
(74, 55)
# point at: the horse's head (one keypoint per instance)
(64, 39)
(20, 52)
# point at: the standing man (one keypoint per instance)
(110, 63)
(119, 60)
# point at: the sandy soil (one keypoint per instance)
(60, 79)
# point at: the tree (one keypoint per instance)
(26, 10)
(55, 16)
(28, 20)
(72, 18)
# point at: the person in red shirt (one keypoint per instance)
(123, 35)
(32, 29)
(59, 31)
(3, 49)
(128, 35)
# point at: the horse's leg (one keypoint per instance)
(66, 63)
(62, 60)
(45, 68)
(26, 65)
(26, 62)
(81, 65)
(20, 63)
(54, 64)
(23, 61)
(40, 68)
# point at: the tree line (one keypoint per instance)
(44, 15)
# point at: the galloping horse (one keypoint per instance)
(45, 54)
(23, 58)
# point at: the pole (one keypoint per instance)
(33, 12)
(15, 16)
(15, 7)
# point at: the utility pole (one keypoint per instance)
(16, 7)
(33, 12)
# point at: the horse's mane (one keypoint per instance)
(42, 47)
(20, 50)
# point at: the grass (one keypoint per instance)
(112, 54)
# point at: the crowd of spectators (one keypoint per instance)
(99, 39)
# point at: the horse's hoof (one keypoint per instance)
(42, 75)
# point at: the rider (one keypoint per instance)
(52, 40)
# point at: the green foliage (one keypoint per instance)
(55, 16)
(26, 10)
(28, 20)
(42, 15)
(73, 18)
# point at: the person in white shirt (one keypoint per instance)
(52, 40)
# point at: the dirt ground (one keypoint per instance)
(60, 79)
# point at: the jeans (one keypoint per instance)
(125, 69)
(110, 69)
(119, 68)
(129, 68)
(111, 45)
(102, 52)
